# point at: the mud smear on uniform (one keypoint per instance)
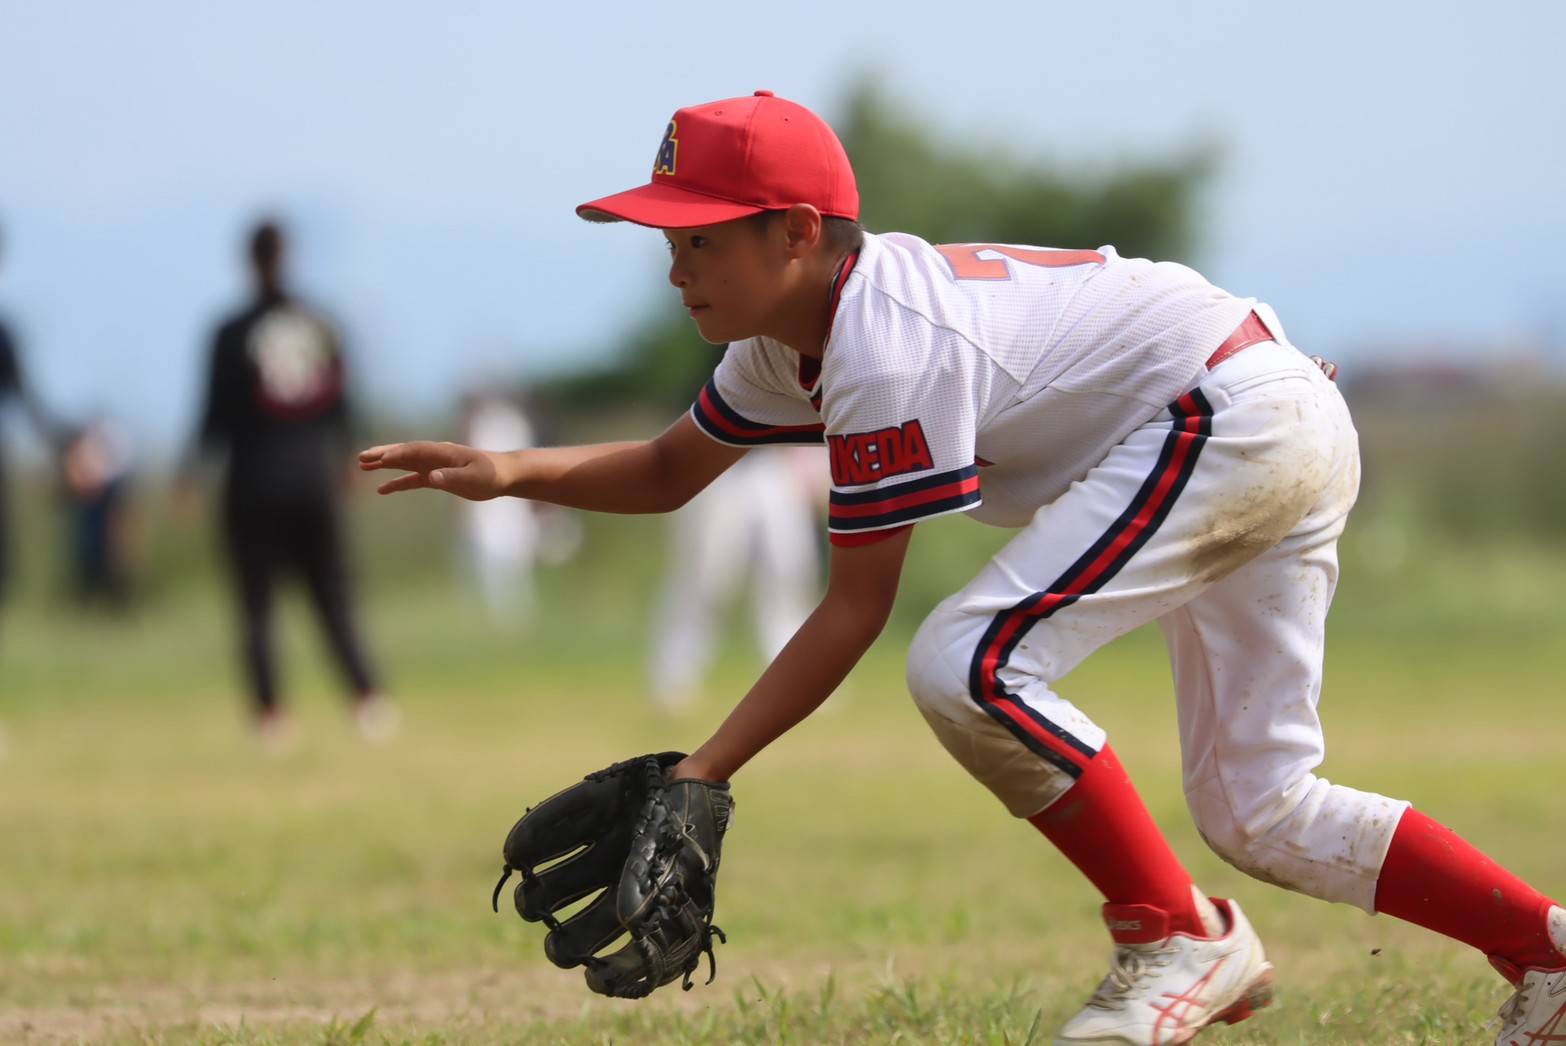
(991, 753)
(1248, 524)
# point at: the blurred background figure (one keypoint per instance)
(276, 415)
(501, 536)
(16, 391)
(758, 524)
(13, 390)
(96, 463)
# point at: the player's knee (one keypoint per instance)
(1308, 835)
(1252, 829)
(1259, 834)
(940, 662)
(937, 662)
(938, 681)
(1225, 837)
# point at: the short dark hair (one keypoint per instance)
(266, 243)
(843, 235)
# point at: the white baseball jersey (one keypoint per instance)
(970, 377)
(1070, 394)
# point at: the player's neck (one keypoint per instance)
(804, 321)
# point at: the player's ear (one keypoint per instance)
(801, 229)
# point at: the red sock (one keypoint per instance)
(1435, 879)
(1103, 828)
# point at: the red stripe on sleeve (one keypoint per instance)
(895, 504)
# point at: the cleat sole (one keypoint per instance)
(1258, 996)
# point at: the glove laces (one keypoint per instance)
(712, 960)
(527, 876)
(688, 830)
(505, 875)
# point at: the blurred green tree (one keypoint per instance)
(916, 178)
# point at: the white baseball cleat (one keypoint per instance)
(1536, 1012)
(1163, 988)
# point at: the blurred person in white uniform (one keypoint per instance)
(759, 524)
(501, 536)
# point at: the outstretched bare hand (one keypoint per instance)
(463, 471)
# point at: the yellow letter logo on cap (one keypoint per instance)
(665, 162)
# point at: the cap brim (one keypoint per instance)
(665, 207)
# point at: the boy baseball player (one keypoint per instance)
(1164, 453)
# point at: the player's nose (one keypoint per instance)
(679, 275)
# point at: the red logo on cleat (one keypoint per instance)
(1180, 1008)
(1552, 1030)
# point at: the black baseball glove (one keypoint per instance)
(648, 848)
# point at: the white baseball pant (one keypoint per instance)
(1218, 519)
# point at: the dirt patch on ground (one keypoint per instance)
(404, 1004)
(125, 1011)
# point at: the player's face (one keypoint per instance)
(731, 277)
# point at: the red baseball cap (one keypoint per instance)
(734, 158)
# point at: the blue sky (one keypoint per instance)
(1391, 179)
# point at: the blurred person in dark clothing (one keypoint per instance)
(96, 464)
(14, 389)
(276, 411)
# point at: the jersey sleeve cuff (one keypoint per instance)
(726, 425)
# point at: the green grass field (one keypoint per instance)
(162, 880)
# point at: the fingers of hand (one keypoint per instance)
(428, 464)
(373, 454)
(408, 481)
(384, 456)
(411, 454)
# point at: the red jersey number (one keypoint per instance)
(967, 265)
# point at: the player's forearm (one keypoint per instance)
(604, 477)
(807, 671)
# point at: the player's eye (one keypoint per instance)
(690, 243)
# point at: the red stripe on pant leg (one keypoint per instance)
(1176, 460)
(1014, 622)
(1010, 709)
(1095, 570)
(1139, 523)
(1144, 516)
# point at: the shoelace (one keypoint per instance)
(1511, 1011)
(1129, 965)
